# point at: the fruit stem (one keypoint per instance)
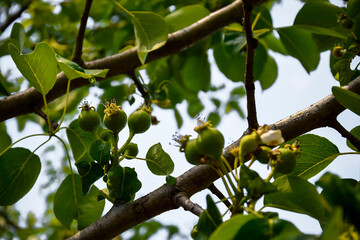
(131, 135)
(270, 175)
(115, 150)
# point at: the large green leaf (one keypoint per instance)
(185, 16)
(347, 98)
(297, 195)
(80, 140)
(70, 203)
(298, 43)
(123, 183)
(151, 32)
(19, 171)
(316, 154)
(158, 161)
(40, 73)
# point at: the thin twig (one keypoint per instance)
(249, 70)
(214, 190)
(11, 18)
(140, 87)
(345, 133)
(182, 200)
(81, 34)
(43, 115)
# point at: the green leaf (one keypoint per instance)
(185, 16)
(72, 70)
(158, 161)
(196, 73)
(299, 44)
(269, 73)
(70, 203)
(340, 193)
(334, 227)
(100, 151)
(151, 32)
(347, 98)
(356, 132)
(19, 170)
(5, 139)
(94, 172)
(297, 195)
(316, 154)
(80, 140)
(275, 44)
(254, 228)
(18, 33)
(123, 183)
(353, 8)
(321, 14)
(40, 73)
(228, 229)
(209, 219)
(233, 67)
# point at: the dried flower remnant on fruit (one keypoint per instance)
(181, 140)
(272, 138)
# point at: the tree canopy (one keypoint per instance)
(148, 55)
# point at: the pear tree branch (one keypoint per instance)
(123, 217)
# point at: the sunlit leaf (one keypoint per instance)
(41, 74)
(159, 162)
(151, 32)
(316, 154)
(19, 170)
(297, 195)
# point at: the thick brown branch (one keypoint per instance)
(81, 34)
(121, 218)
(251, 44)
(24, 102)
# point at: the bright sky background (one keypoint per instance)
(294, 90)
